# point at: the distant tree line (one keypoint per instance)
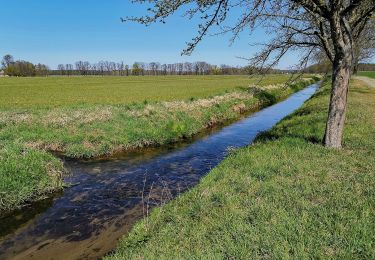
(321, 67)
(326, 67)
(366, 67)
(109, 68)
(21, 68)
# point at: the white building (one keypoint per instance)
(2, 73)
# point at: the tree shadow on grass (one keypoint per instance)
(306, 123)
(367, 90)
(270, 136)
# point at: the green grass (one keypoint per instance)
(26, 175)
(286, 196)
(370, 74)
(100, 129)
(71, 91)
(90, 129)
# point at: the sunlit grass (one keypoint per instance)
(26, 174)
(68, 91)
(284, 197)
(100, 129)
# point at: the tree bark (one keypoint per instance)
(338, 102)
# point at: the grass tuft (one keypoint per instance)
(26, 175)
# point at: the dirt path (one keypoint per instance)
(369, 81)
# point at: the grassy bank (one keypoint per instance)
(26, 175)
(285, 196)
(95, 130)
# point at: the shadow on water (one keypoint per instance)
(111, 194)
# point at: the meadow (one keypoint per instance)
(39, 92)
(97, 116)
(286, 196)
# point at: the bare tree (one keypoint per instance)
(297, 25)
(127, 70)
(188, 68)
(86, 67)
(106, 67)
(164, 69)
(93, 69)
(120, 68)
(112, 68)
(79, 66)
(154, 66)
(364, 48)
(196, 68)
(7, 60)
(227, 70)
(41, 70)
(69, 69)
(180, 68)
(61, 69)
(101, 67)
(171, 69)
(142, 67)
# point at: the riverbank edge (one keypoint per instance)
(48, 170)
(294, 198)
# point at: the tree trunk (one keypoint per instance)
(338, 102)
(355, 69)
(355, 63)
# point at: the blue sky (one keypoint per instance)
(64, 31)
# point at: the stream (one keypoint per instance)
(109, 195)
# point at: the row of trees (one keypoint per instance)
(366, 67)
(142, 68)
(21, 68)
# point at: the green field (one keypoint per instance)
(95, 116)
(370, 74)
(284, 197)
(69, 91)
